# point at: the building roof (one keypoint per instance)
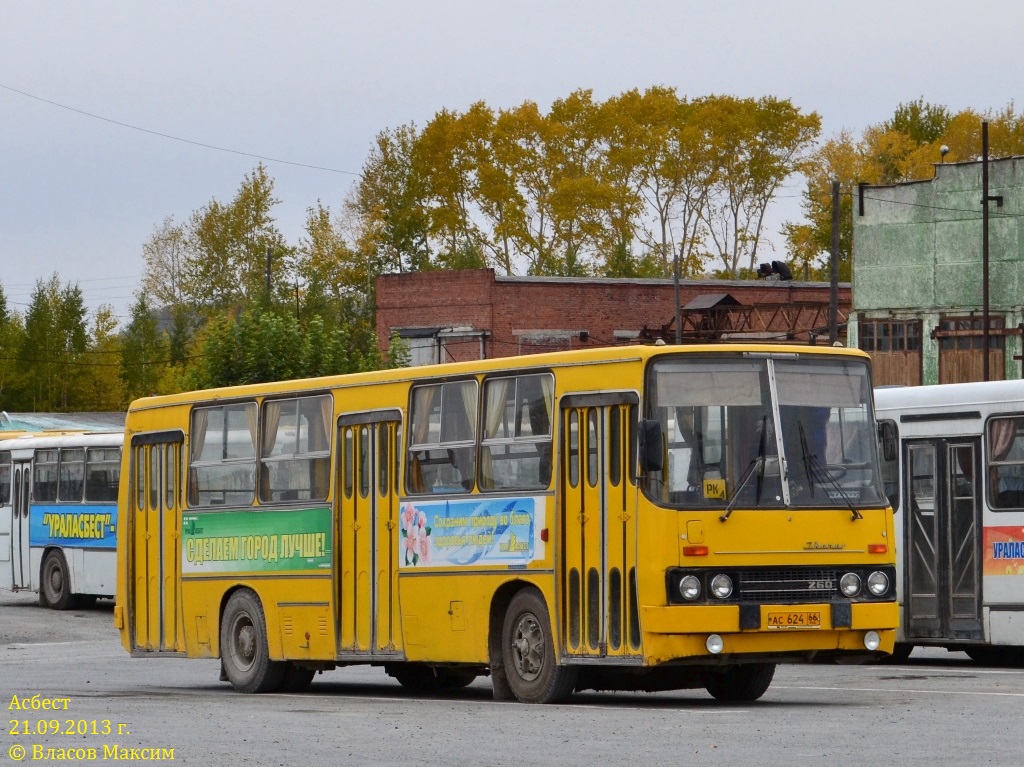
(61, 421)
(710, 301)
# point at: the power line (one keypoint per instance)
(175, 138)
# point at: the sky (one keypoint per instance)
(312, 82)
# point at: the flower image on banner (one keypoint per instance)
(472, 532)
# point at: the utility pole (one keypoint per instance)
(679, 311)
(984, 251)
(833, 294)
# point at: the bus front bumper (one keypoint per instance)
(796, 632)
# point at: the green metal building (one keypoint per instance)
(917, 275)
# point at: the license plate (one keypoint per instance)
(803, 620)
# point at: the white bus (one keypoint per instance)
(58, 516)
(953, 465)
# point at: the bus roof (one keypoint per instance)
(598, 355)
(949, 397)
(66, 439)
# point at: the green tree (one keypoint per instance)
(764, 142)
(165, 254)
(12, 368)
(102, 388)
(389, 201)
(920, 121)
(54, 346)
(145, 351)
(258, 346)
(226, 261)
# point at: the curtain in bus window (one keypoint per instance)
(320, 441)
(458, 424)
(271, 423)
(545, 413)
(495, 424)
(252, 418)
(200, 419)
(1006, 463)
(422, 407)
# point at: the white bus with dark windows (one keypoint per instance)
(58, 516)
(953, 466)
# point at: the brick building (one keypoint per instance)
(446, 316)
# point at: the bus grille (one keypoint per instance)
(800, 585)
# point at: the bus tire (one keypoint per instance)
(740, 684)
(900, 653)
(296, 678)
(55, 584)
(995, 655)
(528, 652)
(243, 646)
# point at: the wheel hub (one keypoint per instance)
(528, 648)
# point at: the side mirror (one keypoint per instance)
(651, 455)
(889, 439)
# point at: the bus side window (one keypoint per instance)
(1005, 458)
(515, 451)
(442, 440)
(222, 467)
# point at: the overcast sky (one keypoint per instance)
(313, 82)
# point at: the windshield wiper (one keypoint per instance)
(815, 469)
(758, 465)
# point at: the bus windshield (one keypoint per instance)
(764, 432)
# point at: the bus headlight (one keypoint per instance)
(849, 584)
(872, 641)
(878, 583)
(715, 644)
(721, 586)
(689, 587)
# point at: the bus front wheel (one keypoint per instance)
(740, 683)
(243, 646)
(528, 652)
(56, 583)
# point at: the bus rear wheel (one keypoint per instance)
(528, 652)
(740, 684)
(56, 583)
(243, 646)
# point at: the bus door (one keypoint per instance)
(21, 560)
(154, 530)
(598, 525)
(367, 515)
(942, 539)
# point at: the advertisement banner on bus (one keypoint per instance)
(256, 541)
(1004, 550)
(82, 526)
(462, 533)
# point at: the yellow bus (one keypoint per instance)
(631, 518)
